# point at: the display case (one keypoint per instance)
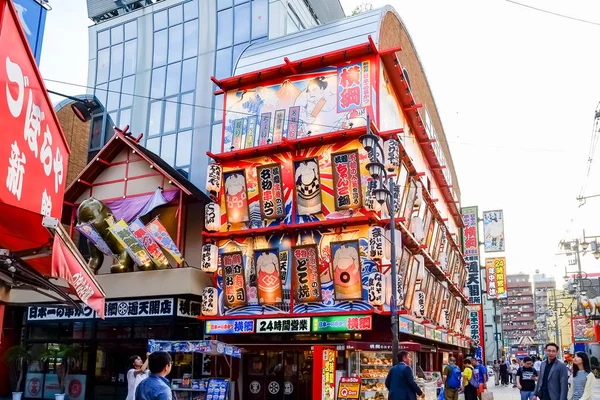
(372, 367)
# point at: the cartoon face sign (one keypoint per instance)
(346, 270)
(268, 277)
(308, 188)
(236, 199)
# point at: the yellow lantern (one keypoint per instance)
(212, 217)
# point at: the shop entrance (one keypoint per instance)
(278, 375)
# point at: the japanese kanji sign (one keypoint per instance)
(270, 189)
(470, 233)
(346, 180)
(229, 326)
(476, 328)
(474, 279)
(33, 151)
(353, 86)
(120, 231)
(495, 273)
(268, 276)
(493, 231)
(342, 323)
(138, 230)
(234, 281)
(376, 243)
(188, 308)
(43, 313)
(139, 308)
(305, 264)
(283, 325)
(376, 289)
(210, 297)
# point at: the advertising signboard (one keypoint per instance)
(342, 323)
(495, 273)
(476, 328)
(493, 231)
(470, 232)
(582, 330)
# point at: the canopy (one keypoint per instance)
(210, 347)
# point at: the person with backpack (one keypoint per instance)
(526, 378)
(452, 380)
(470, 381)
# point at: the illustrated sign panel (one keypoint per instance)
(307, 285)
(43, 313)
(139, 231)
(495, 272)
(476, 327)
(346, 180)
(161, 236)
(234, 281)
(268, 276)
(308, 186)
(236, 197)
(493, 231)
(347, 280)
(342, 323)
(354, 89)
(349, 388)
(283, 325)
(229, 326)
(583, 331)
(120, 231)
(270, 188)
(474, 279)
(470, 234)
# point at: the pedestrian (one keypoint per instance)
(584, 380)
(526, 377)
(138, 371)
(452, 378)
(514, 367)
(481, 374)
(470, 381)
(156, 387)
(496, 369)
(504, 373)
(538, 364)
(400, 381)
(553, 382)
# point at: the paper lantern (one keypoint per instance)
(391, 149)
(397, 243)
(210, 254)
(444, 318)
(214, 175)
(444, 261)
(210, 297)
(420, 267)
(371, 203)
(376, 289)
(416, 228)
(376, 243)
(212, 217)
(419, 198)
(418, 307)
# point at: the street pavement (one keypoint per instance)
(502, 392)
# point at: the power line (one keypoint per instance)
(554, 13)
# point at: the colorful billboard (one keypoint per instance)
(582, 330)
(270, 189)
(342, 323)
(268, 276)
(493, 231)
(305, 264)
(470, 232)
(234, 284)
(476, 328)
(346, 180)
(495, 273)
(474, 279)
(32, 16)
(347, 280)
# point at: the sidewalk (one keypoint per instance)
(503, 393)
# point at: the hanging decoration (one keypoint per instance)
(420, 267)
(418, 307)
(212, 217)
(376, 243)
(419, 199)
(210, 254)
(214, 175)
(139, 231)
(88, 230)
(234, 280)
(371, 203)
(347, 280)
(236, 197)
(397, 243)
(133, 247)
(270, 190)
(376, 289)
(305, 264)
(416, 228)
(162, 237)
(346, 180)
(268, 276)
(391, 149)
(210, 295)
(308, 187)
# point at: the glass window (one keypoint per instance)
(131, 30)
(153, 145)
(190, 39)
(290, 25)
(221, 4)
(116, 35)
(240, 1)
(188, 75)
(160, 20)
(241, 31)
(186, 111)
(223, 61)
(225, 28)
(112, 121)
(125, 117)
(260, 18)
(175, 15)
(96, 132)
(175, 43)
(103, 64)
(184, 148)
(114, 91)
(173, 79)
(167, 149)
(170, 115)
(155, 118)
(215, 138)
(103, 39)
(237, 51)
(190, 10)
(218, 107)
(127, 91)
(157, 88)
(116, 61)
(130, 57)
(160, 48)
(101, 94)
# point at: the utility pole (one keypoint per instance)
(496, 329)
(580, 310)
(556, 320)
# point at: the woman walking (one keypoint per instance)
(582, 387)
(514, 368)
(504, 373)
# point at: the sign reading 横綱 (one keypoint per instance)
(188, 308)
(305, 264)
(270, 188)
(474, 279)
(283, 325)
(495, 272)
(493, 231)
(234, 281)
(139, 308)
(342, 323)
(229, 326)
(476, 328)
(33, 152)
(353, 86)
(469, 232)
(346, 180)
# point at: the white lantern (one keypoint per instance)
(210, 298)
(376, 289)
(444, 261)
(418, 307)
(391, 149)
(397, 243)
(419, 198)
(212, 217)
(466, 291)
(371, 203)
(214, 175)
(420, 267)
(445, 316)
(458, 325)
(416, 228)
(376, 243)
(210, 254)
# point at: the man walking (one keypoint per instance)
(553, 382)
(156, 387)
(452, 380)
(400, 380)
(482, 375)
(470, 381)
(526, 377)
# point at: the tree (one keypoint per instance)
(16, 359)
(364, 7)
(68, 356)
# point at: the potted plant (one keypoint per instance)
(16, 359)
(67, 357)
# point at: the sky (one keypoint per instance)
(516, 89)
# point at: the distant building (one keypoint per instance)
(542, 286)
(518, 315)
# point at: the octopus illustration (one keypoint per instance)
(269, 281)
(346, 273)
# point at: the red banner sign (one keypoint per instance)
(346, 180)
(234, 282)
(270, 188)
(307, 285)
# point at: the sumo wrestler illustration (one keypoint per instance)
(346, 271)
(268, 278)
(236, 197)
(308, 188)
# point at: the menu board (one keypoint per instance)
(217, 389)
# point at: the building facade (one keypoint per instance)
(518, 315)
(542, 286)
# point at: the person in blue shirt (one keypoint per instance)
(483, 376)
(401, 381)
(156, 386)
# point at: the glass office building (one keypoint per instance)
(151, 62)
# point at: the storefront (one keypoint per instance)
(104, 346)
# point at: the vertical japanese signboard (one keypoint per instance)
(347, 280)
(474, 279)
(270, 188)
(236, 197)
(308, 187)
(470, 235)
(305, 263)
(493, 231)
(476, 322)
(268, 276)
(234, 282)
(353, 86)
(495, 272)
(346, 180)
